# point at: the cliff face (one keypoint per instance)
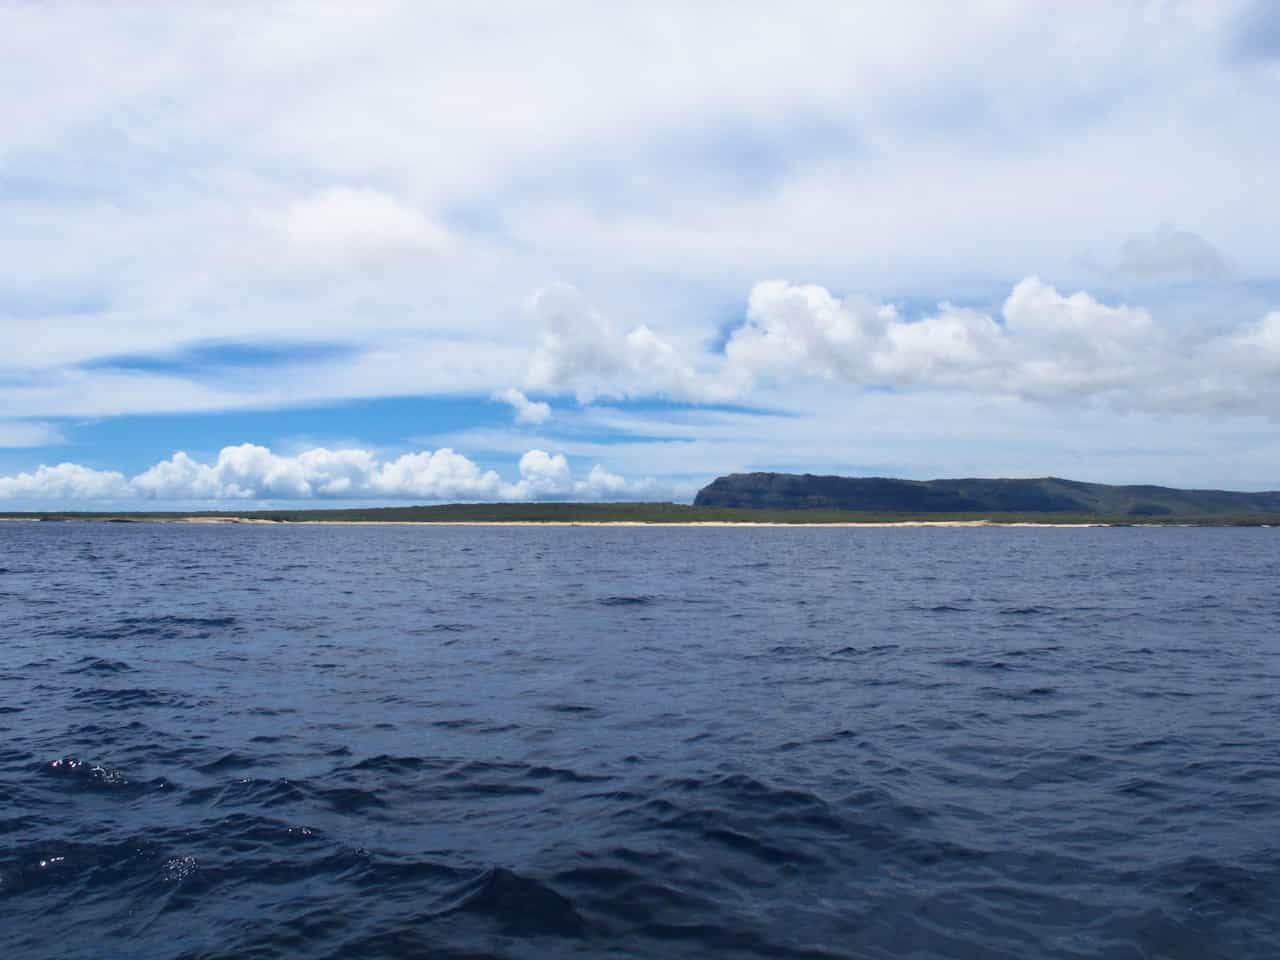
(790, 491)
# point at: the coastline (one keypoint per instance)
(687, 523)
(257, 521)
(605, 515)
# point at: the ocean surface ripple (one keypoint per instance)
(396, 742)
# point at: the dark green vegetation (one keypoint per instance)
(1048, 495)
(642, 513)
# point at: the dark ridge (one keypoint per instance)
(790, 491)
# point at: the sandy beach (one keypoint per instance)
(614, 523)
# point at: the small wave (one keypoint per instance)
(350, 799)
(79, 866)
(385, 763)
(228, 761)
(835, 736)
(81, 775)
(564, 776)
(521, 906)
(243, 828)
(1024, 694)
(129, 697)
(791, 651)
(637, 600)
(167, 624)
(572, 708)
(492, 789)
(461, 723)
(99, 665)
(713, 939)
(249, 793)
(760, 849)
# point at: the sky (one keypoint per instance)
(288, 253)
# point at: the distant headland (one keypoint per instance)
(791, 491)
(746, 499)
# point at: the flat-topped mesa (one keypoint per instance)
(792, 491)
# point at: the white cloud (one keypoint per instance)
(347, 222)
(1048, 343)
(66, 481)
(547, 476)
(1045, 346)
(28, 433)
(253, 472)
(583, 350)
(543, 475)
(442, 475)
(402, 366)
(600, 484)
(1256, 349)
(795, 331)
(1075, 346)
(296, 173)
(249, 472)
(526, 410)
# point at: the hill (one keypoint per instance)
(790, 491)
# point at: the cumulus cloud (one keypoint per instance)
(249, 472)
(66, 481)
(1044, 345)
(526, 410)
(600, 484)
(547, 476)
(544, 474)
(584, 351)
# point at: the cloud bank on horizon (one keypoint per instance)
(435, 253)
(249, 472)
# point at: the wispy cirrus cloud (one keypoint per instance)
(28, 433)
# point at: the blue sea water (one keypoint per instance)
(394, 742)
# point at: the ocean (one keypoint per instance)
(429, 741)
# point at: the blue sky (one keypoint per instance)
(392, 252)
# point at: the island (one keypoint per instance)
(743, 499)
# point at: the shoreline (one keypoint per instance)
(871, 523)
(258, 521)
(661, 523)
